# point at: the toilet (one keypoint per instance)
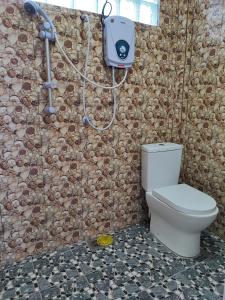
(178, 212)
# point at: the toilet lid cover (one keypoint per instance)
(186, 199)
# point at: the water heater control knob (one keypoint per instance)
(123, 49)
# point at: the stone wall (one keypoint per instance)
(61, 181)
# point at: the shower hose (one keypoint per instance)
(86, 79)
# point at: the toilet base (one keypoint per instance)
(182, 243)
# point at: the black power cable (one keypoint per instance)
(103, 17)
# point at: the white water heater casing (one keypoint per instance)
(119, 42)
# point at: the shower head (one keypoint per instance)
(31, 7)
(34, 9)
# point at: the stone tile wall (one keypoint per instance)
(204, 93)
(62, 182)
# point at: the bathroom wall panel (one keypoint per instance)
(73, 182)
(204, 155)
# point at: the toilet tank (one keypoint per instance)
(160, 165)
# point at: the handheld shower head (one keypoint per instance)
(31, 7)
(34, 9)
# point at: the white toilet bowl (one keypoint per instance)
(178, 215)
(178, 212)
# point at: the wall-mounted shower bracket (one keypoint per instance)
(50, 85)
(86, 120)
(47, 32)
(44, 34)
(84, 18)
(50, 110)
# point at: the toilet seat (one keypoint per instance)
(185, 199)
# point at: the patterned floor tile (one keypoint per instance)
(136, 267)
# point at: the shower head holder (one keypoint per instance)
(50, 35)
(48, 30)
(84, 18)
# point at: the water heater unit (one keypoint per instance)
(119, 42)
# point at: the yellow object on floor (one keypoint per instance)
(104, 240)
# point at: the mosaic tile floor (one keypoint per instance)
(137, 266)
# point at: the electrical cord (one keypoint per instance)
(85, 78)
(103, 17)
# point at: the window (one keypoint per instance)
(144, 11)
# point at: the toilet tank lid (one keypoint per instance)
(186, 199)
(161, 147)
